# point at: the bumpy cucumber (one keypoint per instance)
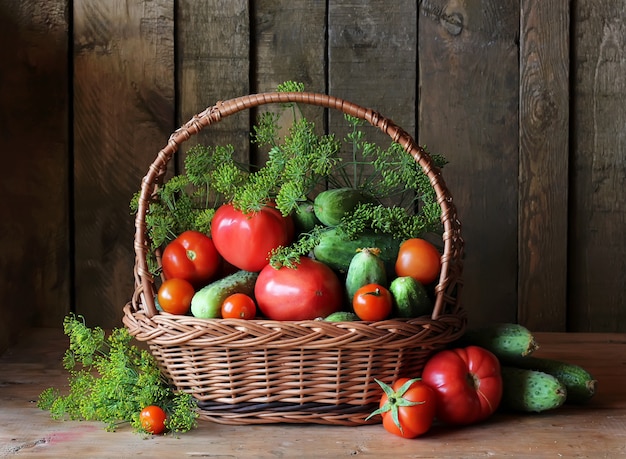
(410, 298)
(304, 217)
(505, 340)
(207, 302)
(331, 205)
(366, 267)
(336, 250)
(530, 390)
(342, 316)
(579, 383)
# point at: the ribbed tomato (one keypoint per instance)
(468, 384)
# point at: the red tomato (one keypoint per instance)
(372, 302)
(238, 306)
(407, 407)
(175, 296)
(152, 419)
(246, 240)
(191, 256)
(419, 259)
(306, 292)
(468, 384)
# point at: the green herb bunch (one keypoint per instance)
(298, 165)
(112, 380)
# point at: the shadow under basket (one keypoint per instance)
(264, 371)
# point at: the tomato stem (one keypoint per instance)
(373, 293)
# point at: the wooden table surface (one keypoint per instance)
(596, 430)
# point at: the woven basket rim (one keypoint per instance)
(448, 288)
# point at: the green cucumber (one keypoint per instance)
(530, 390)
(366, 267)
(331, 205)
(410, 298)
(505, 340)
(207, 302)
(337, 250)
(579, 383)
(304, 217)
(342, 316)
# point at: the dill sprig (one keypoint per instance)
(112, 380)
(298, 165)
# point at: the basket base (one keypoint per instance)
(280, 412)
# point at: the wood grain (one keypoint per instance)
(372, 59)
(34, 236)
(598, 201)
(213, 51)
(543, 165)
(597, 429)
(536, 144)
(469, 80)
(123, 114)
(288, 44)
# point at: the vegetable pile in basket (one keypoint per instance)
(324, 229)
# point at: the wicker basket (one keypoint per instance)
(263, 371)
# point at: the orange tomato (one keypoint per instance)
(238, 306)
(175, 296)
(372, 302)
(419, 259)
(152, 419)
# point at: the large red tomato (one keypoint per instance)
(192, 256)
(309, 291)
(246, 240)
(468, 384)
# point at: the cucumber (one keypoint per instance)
(579, 383)
(505, 340)
(366, 267)
(207, 302)
(342, 316)
(337, 250)
(530, 390)
(304, 217)
(410, 298)
(331, 205)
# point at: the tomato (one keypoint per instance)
(408, 407)
(468, 384)
(191, 256)
(152, 419)
(175, 296)
(306, 292)
(246, 240)
(419, 259)
(238, 306)
(372, 302)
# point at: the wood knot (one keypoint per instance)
(453, 23)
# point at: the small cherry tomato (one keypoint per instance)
(238, 306)
(419, 259)
(408, 407)
(152, 419)
(372, 302)
(175, 296)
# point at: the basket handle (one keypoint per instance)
(448, 288)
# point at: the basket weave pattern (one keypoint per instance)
(263, 371)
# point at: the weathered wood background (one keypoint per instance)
(526, 98)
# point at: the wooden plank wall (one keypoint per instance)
(526, 98)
